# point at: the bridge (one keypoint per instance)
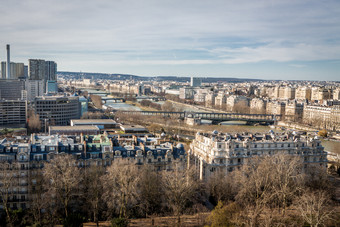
(117, 100)
(214, 117)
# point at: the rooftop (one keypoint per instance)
(73, 128)
(93, 121)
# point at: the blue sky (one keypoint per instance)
(291, 39)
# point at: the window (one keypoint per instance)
(169, 159)
(149, 161)
(255, 146)
(159, 159)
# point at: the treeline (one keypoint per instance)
(268, 191)
(274, 191)
(63, 193)
(148, 103)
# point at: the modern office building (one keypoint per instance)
(36, 69)
(84, 105)
(34, 88)
(51, 86)
(223, 152)
(13, 113)
(195, 82)
(57, 110)
(51, 70)
(11, 89)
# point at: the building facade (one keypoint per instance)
(223, 152)
(11, 89)
(13, 113)
(23, 158)
(57, 110)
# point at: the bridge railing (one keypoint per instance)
(211, 116)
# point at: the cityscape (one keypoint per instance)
(163, 141)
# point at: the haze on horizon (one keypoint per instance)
(290, 40)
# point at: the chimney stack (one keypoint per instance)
(8, 64)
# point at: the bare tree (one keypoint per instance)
(9, 180)
(286, 178)
(93, 191)
(120, 187)
(221, 187)
(314, 208)
(39, 196)
(63, 177)
(151, 194)
(96, 100)
(181, 187)
(34, 123)
(167, 106)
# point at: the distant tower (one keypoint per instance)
(195, 82)
(8, 76)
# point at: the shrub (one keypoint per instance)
(119, 222)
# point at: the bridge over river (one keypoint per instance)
(214, 117)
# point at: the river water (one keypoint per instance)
(331, 146)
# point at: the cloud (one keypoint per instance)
(195, 32)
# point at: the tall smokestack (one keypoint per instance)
(8, 65)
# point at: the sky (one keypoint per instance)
(276, 39)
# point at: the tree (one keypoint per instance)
(313, 207)
(9, 180)
(167, 106)
(286, 178)
(93, 191)
(97, 101)
(120, 187)
(151, 194)
(63, 177)
(34, 123)
(181, 188)
(220, 187)
(224, 215)
(39, 197)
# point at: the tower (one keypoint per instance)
(8, 65)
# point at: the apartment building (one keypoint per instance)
(22, 158)
(223, 152)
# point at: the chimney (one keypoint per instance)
(8, 64)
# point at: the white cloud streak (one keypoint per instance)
(123, 31)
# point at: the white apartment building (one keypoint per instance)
(223, 152)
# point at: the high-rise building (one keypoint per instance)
(17, 70)
(8, 74)
(51, 70)
(195, 82)
(36, 69)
